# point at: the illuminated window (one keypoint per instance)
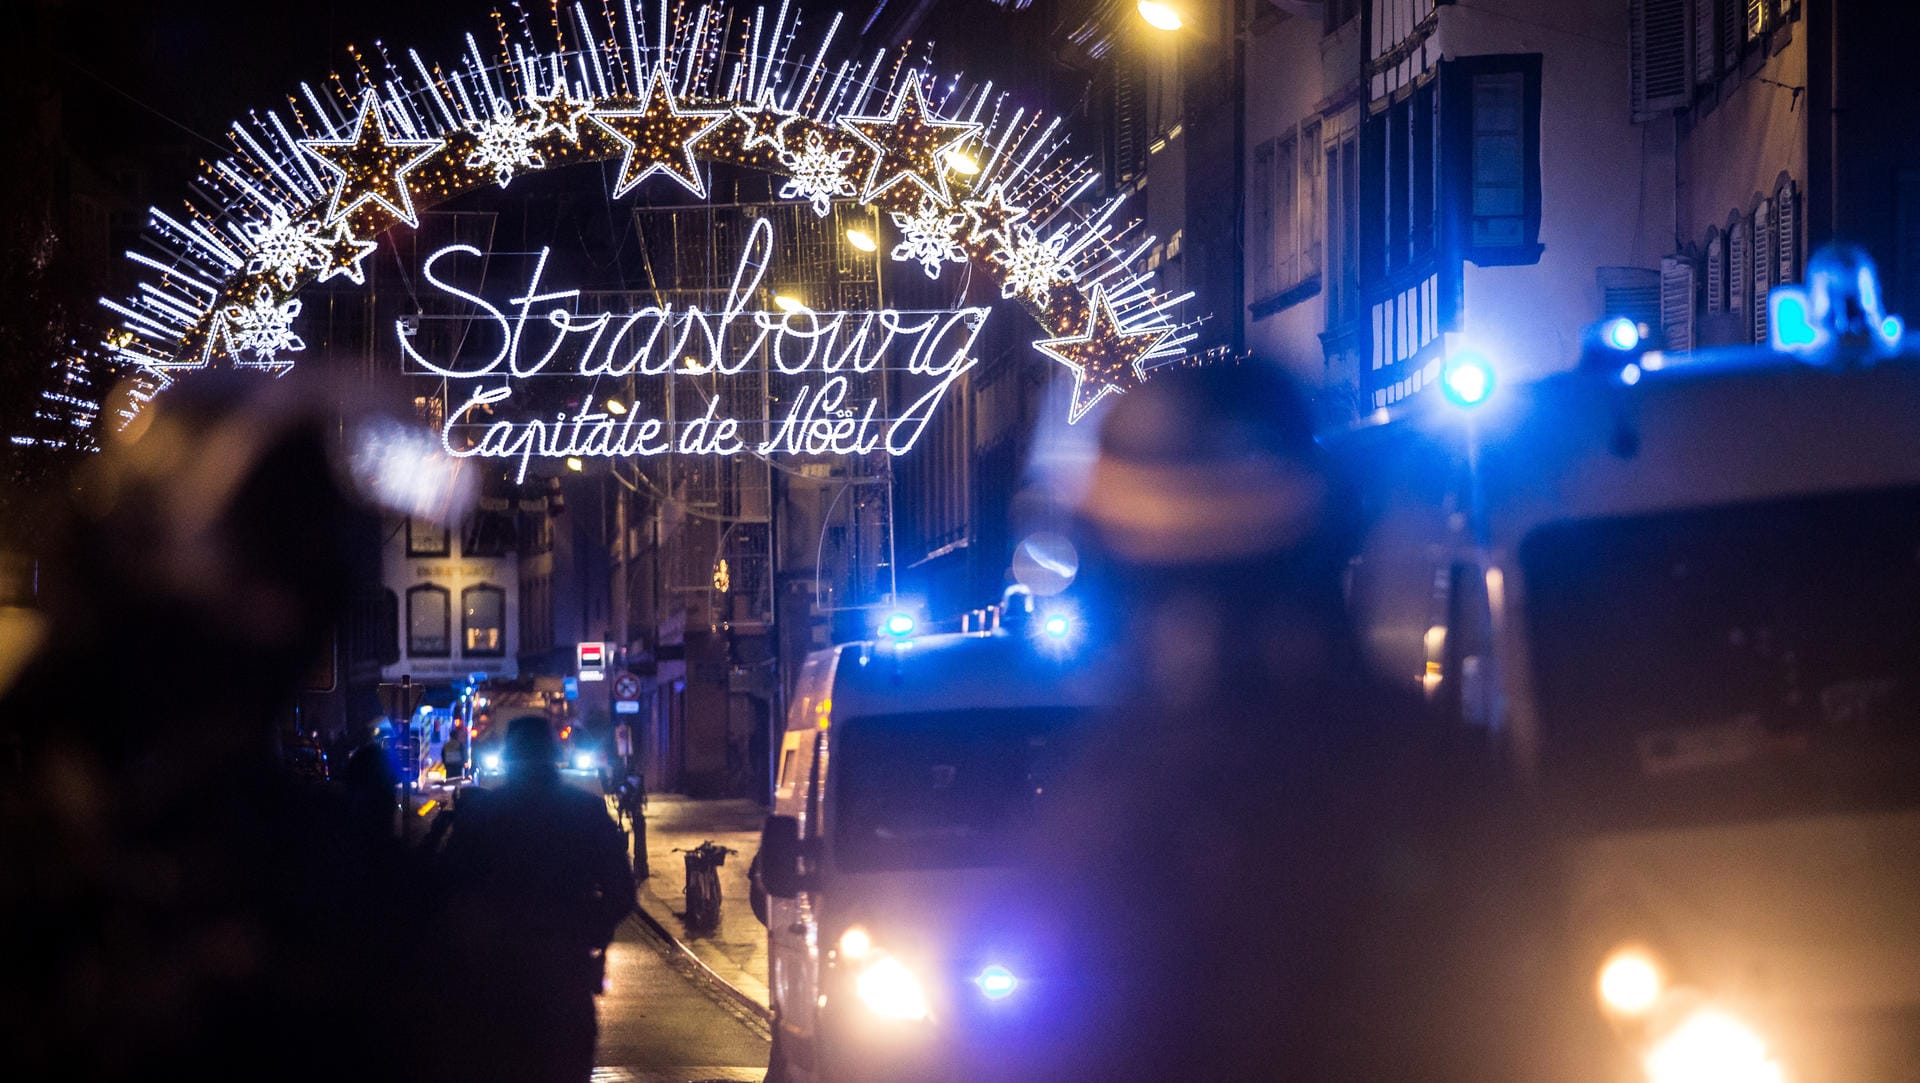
(426, 539)
(483, 621)
(429, 622)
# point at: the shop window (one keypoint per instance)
(483, 622)
(429, 622)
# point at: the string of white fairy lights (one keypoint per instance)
(965, 175)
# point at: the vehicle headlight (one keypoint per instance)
(583, 761)
(890, 991)
(1711, 1046)
(491, 761)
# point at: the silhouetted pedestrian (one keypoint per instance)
(175, 903)
(537, 881)
(1279, 868)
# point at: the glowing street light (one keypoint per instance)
(574, 464)
(1160, 16)
(859, 238)
(615, 406)
(788, 303)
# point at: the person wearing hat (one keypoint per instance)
(1272, 866)
(536, 879)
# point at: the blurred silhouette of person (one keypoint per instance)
(1283, 869)
(453, 754)
(535, 872)
(368, 783)
(174, 902)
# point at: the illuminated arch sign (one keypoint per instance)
(961, 174)
(781, 382)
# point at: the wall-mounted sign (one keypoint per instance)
(591, 659)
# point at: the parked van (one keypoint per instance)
(910, 773)
(1686, 595)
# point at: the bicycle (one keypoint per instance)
(703, 883)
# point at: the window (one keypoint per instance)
(1762, 262)
(1493, 132)
(1716, 272)
(429, 624)
(426, 539)
(1676, 304)
(1499, 180)
(1276, 256)
(1786, 231)
(483, 622)
(1343, 230)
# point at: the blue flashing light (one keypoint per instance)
(1467, 379)
(899, 625)
(1621, 333)
(997, 982)
(1057, 626)
(1790, 320)
(1892, 329)
(1630, 375)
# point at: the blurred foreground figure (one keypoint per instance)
(1271, 867)
(538, 881)
(174, 902)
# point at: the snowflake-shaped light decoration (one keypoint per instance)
(817, 174)
(1034, 265)
(931, 236)
(264, 327)
(505, 145)
(283, 247)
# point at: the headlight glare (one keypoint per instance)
(1711, 1046)
(890, 991)
(1631, 982)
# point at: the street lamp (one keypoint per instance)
(788, 303)
(859, 238)
(574, 464)
(616, 407)
(1160, 15)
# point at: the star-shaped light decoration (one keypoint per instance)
(371, 165)
(341, 254)
(559, 112)
(659, 137)
(1104, 358)
(992, 217)
(908, 145)
(766, 124)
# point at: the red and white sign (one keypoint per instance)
(592, 661)
(626, 686)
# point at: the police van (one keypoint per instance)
(909, 775)
(1686, 594)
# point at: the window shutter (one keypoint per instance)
(1757, 18)
(1676, 304)
(1633, 292)
(1762, 267)
(1786, 213)
(1738, 276)
(1733, 32)
(1716, 272)
(1660, 77)
(1705, 39)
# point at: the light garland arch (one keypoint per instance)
(965, 177)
